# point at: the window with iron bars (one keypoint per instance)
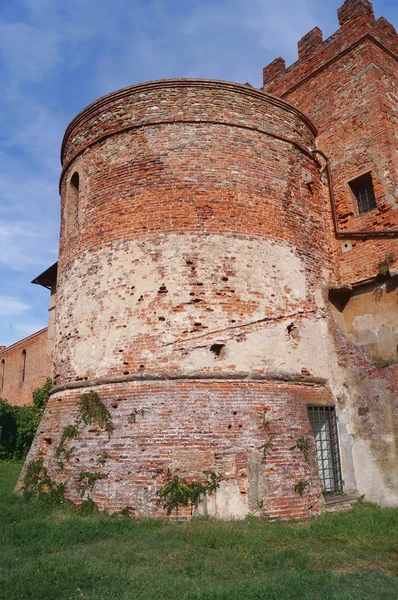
(324, 425)
(362, 188)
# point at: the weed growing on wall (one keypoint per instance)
(69, 433)
(266, 424)
(92, 411)
(303, 444)
(87, 480)
(179, 492)
(382, 363)
(267, 446)
(384, 266)
(301, 486)
(101, 458)
(38, 484)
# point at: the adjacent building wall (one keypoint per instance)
(25, 366)
(348, 85)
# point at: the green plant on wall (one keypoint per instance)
(87, 480)
(384, 266)
(303, 444)
(301, 486)
(179, 492)
(101, 458)
(267, 446)
(38, 484)
(382, 363)
(266, 424)
(69, 433)
(92, 411)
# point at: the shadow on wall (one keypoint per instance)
(368, 317)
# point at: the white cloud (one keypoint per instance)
(11, 306)
(23, 244)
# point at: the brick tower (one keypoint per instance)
(205, 246)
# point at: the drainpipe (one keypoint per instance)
(348, 234)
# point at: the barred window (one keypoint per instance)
(362, 188)
(324, 426)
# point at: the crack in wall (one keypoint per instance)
(284, 317)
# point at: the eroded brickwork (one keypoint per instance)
(193, 426)
(190, 232)
(198, 259)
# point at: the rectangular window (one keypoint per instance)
(324, 425)
(362, 188)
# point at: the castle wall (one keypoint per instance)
(348, 86)
(189, 266)
(16, 386)
(190, 234)
(192, 426)
(205, 297)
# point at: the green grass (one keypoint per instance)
(62, 555)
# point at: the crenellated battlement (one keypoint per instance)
(357, 23)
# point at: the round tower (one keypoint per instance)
(192, 254)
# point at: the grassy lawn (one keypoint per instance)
(62, 555)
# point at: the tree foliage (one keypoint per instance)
(18, 424)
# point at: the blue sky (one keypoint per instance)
(57, 56)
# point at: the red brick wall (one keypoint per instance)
(348, 86)
(192, 262)
(193, 219)
(37, 369)
(192, 426)
(194, 228)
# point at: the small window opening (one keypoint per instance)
(75, 180)
(324, 425)
(3, 372)
(362, 188)
(23, 365)
(73, 212)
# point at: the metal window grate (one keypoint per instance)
(362, 189)
(324, 426)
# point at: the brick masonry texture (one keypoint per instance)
(13, 387)
(187, 232)
(193, 426)
(348, 86)
(201, 284)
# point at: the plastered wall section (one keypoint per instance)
(13, 387)
(367, 408)
(370, 319)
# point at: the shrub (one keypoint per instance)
(18, 424)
